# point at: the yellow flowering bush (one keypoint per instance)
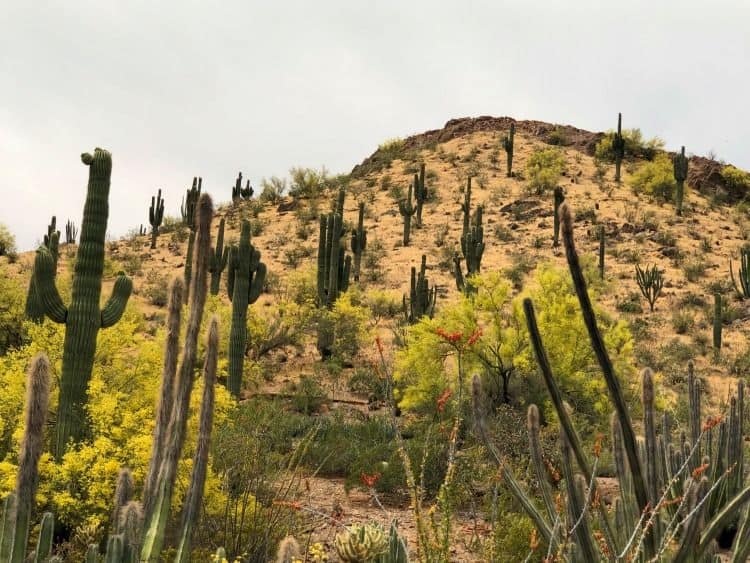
(122, 398)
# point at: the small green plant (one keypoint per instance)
(543, 170)
(272, 189)
(7, 241)
(736, 180)
(655, 178)
(682, 321)
(694, 270)
(650, 281)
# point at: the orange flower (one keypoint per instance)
(369, 480)
(443, 399)
(598, 444)
(293, 504)
(711, 422)
(451, 337)
(699, 470)
(474, 337)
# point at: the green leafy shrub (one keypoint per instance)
(7, 241)
(272, 189)
(307, 182)
(735, 179)
(543, 170)
(635, 146)
(655, 178)
(12, 311)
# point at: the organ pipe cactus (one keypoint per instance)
(238, 192)
(618, 147)
(359, 241)
(422, 297)
(680, 162)
(508, 146)
(650, 282)
(218, 260)
(83, 318)
(407, 210)
(245, 278)
(71, 232)
(155, 216)
(559, 198)
(34, 309)
(19, 505)
(174, 438)
(334, 266)
(743, 274)
(420, 194)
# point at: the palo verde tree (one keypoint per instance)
(84, 317)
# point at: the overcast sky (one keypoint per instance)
(182, 88)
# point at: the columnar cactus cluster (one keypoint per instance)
(71, 232)
(245, 278)
(218, 260)
(155, 216)
(680, 162)
(238, 192)
(618, 147)
(359, 240)
(84, 317)
(472, 242)
(422, 297)
(34, 309)
(407, 210)
(190, 202)
(420, 194)
(334, 265)
(675, 499)
(743, 290)
(508, 146)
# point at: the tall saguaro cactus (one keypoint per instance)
(559, 199)
(359, 240)
(407, 210)
(618, 146)
(472, 243)
(680, 162)
(245, 278)
(34, 310)
(508, 146)
(334, 265)
(190, 202)
(238, 192)
(83, 318)
(155, 216)
(422, 297)
(420, 194)
(71, 232)
(218, 261)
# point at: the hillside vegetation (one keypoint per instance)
(399, 380)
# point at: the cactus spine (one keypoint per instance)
(680, 162)
(71, 232)
(19, 505)
(156, 521)
(218, 261)
(155, 216)
(559, 198)
(422, 297)
(618, 147)
(34, 309)
(194, 497)
(508, 146)
(359, 241)
(407, 210)
(238, 192)
(245, 278)
(83, 318)
(717, 325)
(420, 194)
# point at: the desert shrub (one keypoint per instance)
(682, 321)
(735, 179)
(349, 325)
(635, 146)
(12, 311)
(511, 538)
(543, 169)
(155, 289)
(382, 304)
(368, 382)
(631, 303)
(655, 178)
(122, 397)
(294, 256)
(694, 269)
(307, 182)
(271, 189)
(521, 264)
(7, 241)
(372, 262)
(308, 396)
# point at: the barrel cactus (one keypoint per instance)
(361, 543)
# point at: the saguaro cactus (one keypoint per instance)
(83, 318)
(422, 297)
(71, 232)
(718, 324)
(334, 265)
(680, 162)
(743, 290)
(420, 194)
(245, 278)
(407, 210)
(618, 147)
(508, 146)
(559, 199)
(472, 243)
(155, 216)
(238, 192)
(34, 309)
(218, 261)
(190, 201)
(359, 240)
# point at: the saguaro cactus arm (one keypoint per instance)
(46, 290)
(117, 302)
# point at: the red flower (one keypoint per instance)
(474, 337)
(369, 480)
(711, 422)
(451, 337)
(443, 399)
